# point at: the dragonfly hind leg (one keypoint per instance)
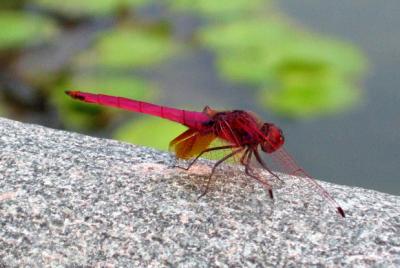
(248, 169)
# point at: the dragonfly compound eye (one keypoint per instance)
(273, 138)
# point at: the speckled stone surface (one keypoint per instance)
(72, 200)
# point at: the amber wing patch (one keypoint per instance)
(191, 143)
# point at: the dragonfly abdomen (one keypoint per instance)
(190, 119)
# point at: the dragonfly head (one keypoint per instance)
(272, 138)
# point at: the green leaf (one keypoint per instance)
(248, 50)
(79, 8)
(157, 133)
(321, 53)
(307, 75)
(247, 36)
(79, 115)
(127, 48)
(149, 131)
(300, 97)
(250, 70)
(220, 8)
(255, 50)
(20, 29)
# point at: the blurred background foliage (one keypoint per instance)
(109, 47)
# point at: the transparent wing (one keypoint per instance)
(287, 164)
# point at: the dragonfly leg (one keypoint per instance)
(205, 151)
(259, 160)
(263, 182)
(215, 166)
(243, 159)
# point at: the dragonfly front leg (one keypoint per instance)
(259, 160)
(203, 152)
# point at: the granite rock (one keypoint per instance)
(71, 200)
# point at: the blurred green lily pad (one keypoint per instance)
(255, 50)
(158, 133)
(127, 47)
(300, 75)
(249, 69)
(247, 36)
(149, 131)
(322, 53)
(305, 98)
(220, 8)
(19, 29)
(79, 115)
(79, 8)
(247, 50)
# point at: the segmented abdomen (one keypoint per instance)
(190, 119)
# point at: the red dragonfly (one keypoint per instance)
(242, 131)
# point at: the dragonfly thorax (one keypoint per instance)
(242, 128)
